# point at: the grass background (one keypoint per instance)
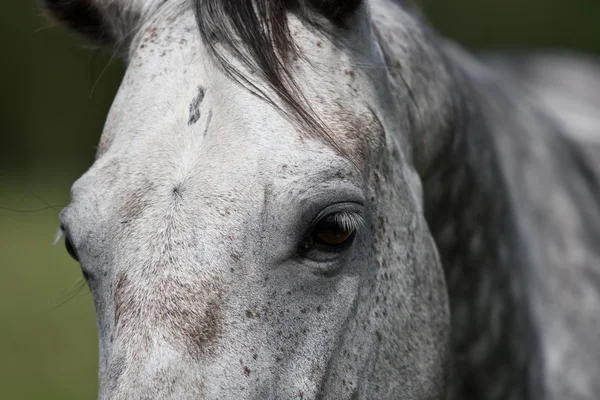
(55, 95)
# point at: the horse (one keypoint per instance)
(325, 199)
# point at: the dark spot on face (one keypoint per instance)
(208, 119)
(381, 225)
(190, 310)
(236, 256)
(246, 371)
(196, 314)
(161, 382)
(361, 133)
(121, 290)
(116, 368)
(136, 202)
(195, 106)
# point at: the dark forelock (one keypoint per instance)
(256, 32)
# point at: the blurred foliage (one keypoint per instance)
(56, 93)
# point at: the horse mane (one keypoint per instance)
(575, 154)
(261, 27)
(253, 32)
(553, 177)
(256, 33)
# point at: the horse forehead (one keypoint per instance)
(171, 83)
(179, 123)
(211, 182)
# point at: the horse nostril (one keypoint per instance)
(86, 276)
(70, 248)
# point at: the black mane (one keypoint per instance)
(256, 32)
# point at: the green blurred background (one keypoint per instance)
(55, 95)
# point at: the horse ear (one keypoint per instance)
(82, 16)
(337, 11)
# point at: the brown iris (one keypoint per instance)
(331, 233)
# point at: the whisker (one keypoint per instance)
(108, 64)
(50, 207)
(34, 194)
(76, 289)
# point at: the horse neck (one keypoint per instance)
(495, 346)
(470, 211)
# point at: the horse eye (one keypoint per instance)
(332, 233)
(71, 249)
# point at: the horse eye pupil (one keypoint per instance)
(330, 232)
(334, 237)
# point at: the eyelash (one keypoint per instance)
(349, 220)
